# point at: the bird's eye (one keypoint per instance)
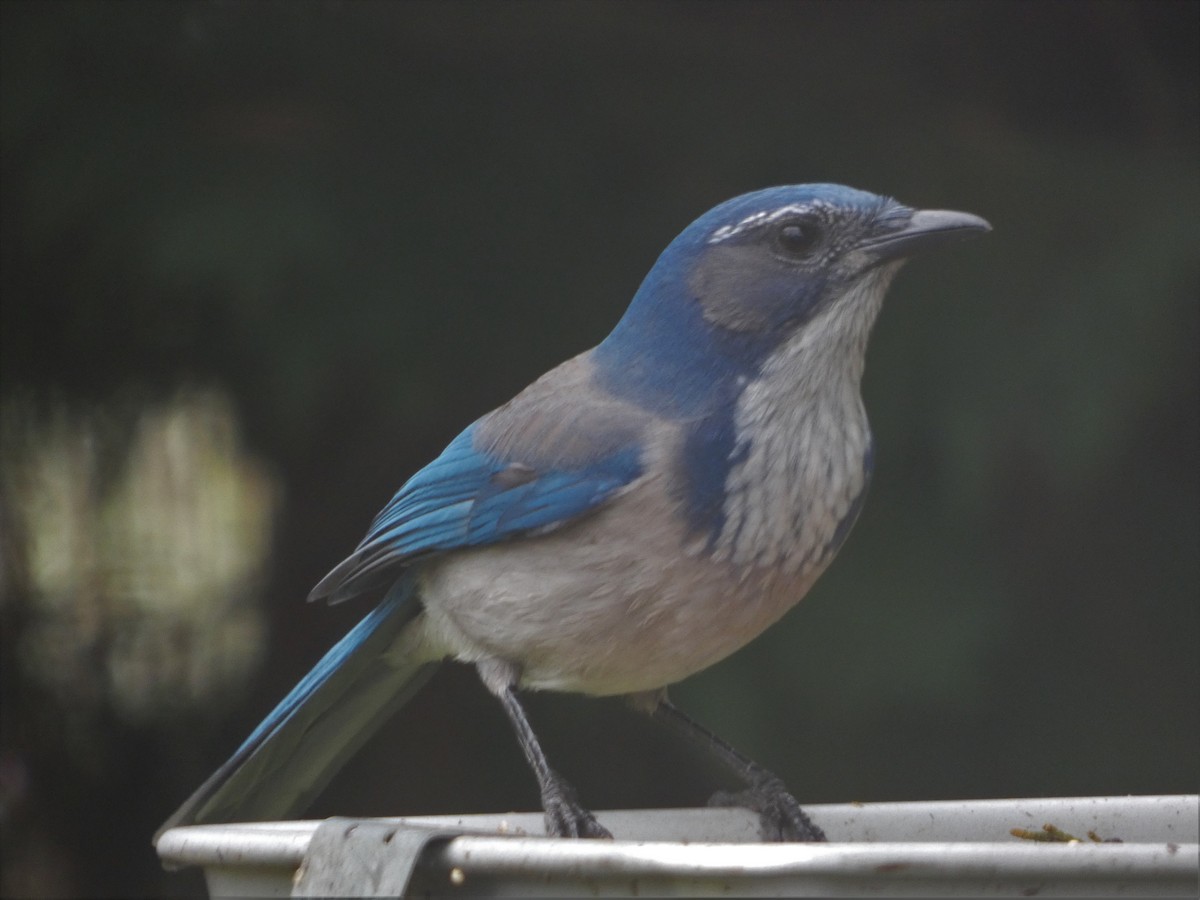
(797, 239)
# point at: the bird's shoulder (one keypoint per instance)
(565, 420)
(555, 452)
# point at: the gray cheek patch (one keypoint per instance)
(721, 280)
(738, 292)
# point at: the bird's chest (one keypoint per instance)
(796, 474)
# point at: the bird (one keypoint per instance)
(633, 516)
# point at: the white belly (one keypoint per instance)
(608, 605)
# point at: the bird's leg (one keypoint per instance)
(780, 814)
(565, 816)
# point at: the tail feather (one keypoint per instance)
(300, 746)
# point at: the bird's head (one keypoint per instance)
(767, 262)
(754, 271)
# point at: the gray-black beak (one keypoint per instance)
(926, 229)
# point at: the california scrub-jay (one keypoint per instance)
(635, 515)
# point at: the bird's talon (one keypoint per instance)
(565, 816)
(781, 818)
(575, 823)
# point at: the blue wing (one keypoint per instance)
(468, 497)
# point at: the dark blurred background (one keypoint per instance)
(261, 261)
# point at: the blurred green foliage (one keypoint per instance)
(364, 224)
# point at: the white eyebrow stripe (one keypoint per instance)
(762, 217)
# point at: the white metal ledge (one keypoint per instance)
(887, 849)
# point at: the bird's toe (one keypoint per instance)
(781, 818)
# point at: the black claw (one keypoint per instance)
(781, 819)
(780, 816)
(574, 823)
(565, 816)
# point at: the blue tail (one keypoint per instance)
(299, 747)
